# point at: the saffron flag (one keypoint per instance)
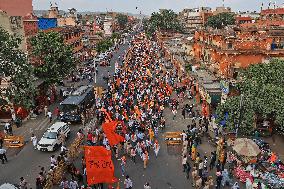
(112, 136)
(100, 168)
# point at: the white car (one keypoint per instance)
(51, 139)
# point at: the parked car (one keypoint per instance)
(51, 139)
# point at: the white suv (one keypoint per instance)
(51, 139)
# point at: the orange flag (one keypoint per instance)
(112, 136)
(100, 168)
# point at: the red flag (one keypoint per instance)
(100, 168)
(109, 130)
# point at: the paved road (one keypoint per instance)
(26, 162)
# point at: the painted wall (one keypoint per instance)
(14, 26)
(69, 21)
(47, 23)
(16, 7)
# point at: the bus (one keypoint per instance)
(75, 104)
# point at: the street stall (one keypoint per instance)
(209, 91)
(256, 164)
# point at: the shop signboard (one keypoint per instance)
(224, 86)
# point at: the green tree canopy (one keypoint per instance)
(14, 65)
(221, 20)
(104, 45)
(166, 20)
(262, 89)
(122, 20)
(56, 57)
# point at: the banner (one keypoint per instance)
(100, 168)
(112, 136)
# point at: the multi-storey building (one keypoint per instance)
(14, 26)
(72, 36)
(195, 18)
(228, 50)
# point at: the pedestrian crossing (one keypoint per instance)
(34, 126)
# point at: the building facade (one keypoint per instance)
(194, 18)
(16, 7)
(14, 26)
(225, 52)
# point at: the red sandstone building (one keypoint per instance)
(16, 7)
(226, 51)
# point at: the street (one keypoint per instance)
(27, 161)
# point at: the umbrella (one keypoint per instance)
(246, 147)
(8, 186)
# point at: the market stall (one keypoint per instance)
(257, 165)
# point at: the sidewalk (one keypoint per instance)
(29, 127)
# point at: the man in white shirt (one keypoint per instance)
(147, 186)
(49, 114)
(73, 184)
(3, 156)
(34, 140)
(128, 182)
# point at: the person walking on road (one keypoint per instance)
(73, 184)
(34, 141)
(1, 139)
(128, 182)
(147, 186)
(56, 112)
(156, 148)
(45, 111)
(3, 156)
(133, 155)
(64, 184)
(49, 114)
(23, 183)
(122, 165)
(174, 111)
(187, 170)
(145, 158)
(8, 128)
(184, 160)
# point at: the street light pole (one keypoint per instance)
(95, 72)
(241, 114)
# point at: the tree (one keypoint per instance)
(14, 65)
(122, 20)
(166, 21)
(262, 89)
(116, 36)
(221, 20)
(104, 45)
(56, 57)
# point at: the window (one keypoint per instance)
(230, 45)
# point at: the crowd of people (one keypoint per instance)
(136, 97)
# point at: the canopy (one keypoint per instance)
(246, 147)
(8, 186)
